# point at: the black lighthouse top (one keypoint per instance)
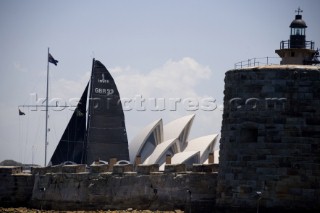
(297, 50)
(298, 22)
(298, 32)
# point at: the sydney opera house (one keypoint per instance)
(157, 141)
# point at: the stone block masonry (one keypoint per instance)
(106, 191)
(15, 187)
(70, 188)
(147, 169)
(270, 139)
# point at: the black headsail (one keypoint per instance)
(71, 146)
(106, 131)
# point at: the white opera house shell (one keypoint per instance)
(155, 142)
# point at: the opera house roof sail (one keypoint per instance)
(159, 153)
(204, 144)
(155, 142)
(146, 141)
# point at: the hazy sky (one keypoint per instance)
(164, 49)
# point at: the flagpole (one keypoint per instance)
(47, 97)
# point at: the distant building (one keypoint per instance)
(155, 142)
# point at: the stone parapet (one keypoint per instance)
(168, 168)
(10, 169)
(119, 168)
(147, 169)
(45, 170)
(205, 167)
(122, 168)
(99, 168)
(74, 168)
(112, 162)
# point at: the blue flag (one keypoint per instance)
(52, 60)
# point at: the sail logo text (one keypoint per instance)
(104, 91)
(103, 81)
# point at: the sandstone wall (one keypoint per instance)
(270, 139)
(106, 191)
(15, 187)
(77, 187)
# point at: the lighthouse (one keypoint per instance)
(297, 50)
(270, 135)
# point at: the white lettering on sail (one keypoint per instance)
(104, 81)
(104, 91)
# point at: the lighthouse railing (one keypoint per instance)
(307, 45)
(253, 62)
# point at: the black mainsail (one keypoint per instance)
(106, 133)
(72, 143)
(105, 136)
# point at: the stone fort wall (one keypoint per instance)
(76, 187)
(270, 138)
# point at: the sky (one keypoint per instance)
(156, 50)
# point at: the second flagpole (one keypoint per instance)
(47, 115)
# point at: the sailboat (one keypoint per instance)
(96, 130)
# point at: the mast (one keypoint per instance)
(50, 59)
(47, 98)
(88, 115)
